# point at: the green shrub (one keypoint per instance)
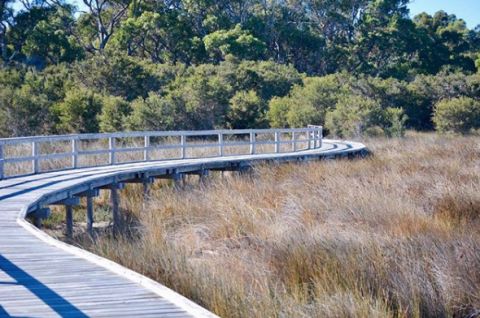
(247, 110)
(78, 112)
(354, 116)
(114, 113)
(459, 115)
(306, 104)
(156, 113)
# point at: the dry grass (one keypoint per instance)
(394, 235)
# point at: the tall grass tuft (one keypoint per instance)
(394, 235)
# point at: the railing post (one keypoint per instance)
(2, 173)
(146, 145)
(183, 141)
(252, 143)
(35, 159)
(311, 139)
(294, 142)
(74, 153)
(277, 142)
(320, 137)
(220, 144)
(111, 149)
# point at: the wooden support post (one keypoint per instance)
(74, 153)
(2, 171)
(89, 195)
(203, 176)
(146, 145)
(39, 215)
(111, 149)
(178, 179)
(90, 219)
(117, 217)
(69, 221)
(35, 151)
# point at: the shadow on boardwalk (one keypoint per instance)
(50, 298)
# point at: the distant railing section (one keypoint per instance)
(32, 155)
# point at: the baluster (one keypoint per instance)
(183, 142)
(277, 142)
(146, 146)
(2, 171)
(294, 142)
(74, 153)
(111, 149)
(35, 166)
(220, 144)
(252, 143)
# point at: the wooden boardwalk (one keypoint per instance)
(42, 277)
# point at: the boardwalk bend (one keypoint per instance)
(43, 277)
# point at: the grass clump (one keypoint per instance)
(394, 235)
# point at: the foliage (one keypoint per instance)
(78, 111)
(113, 115)
(236, 42)
(355, 116)
(459, 115)
(306, 104)
(211, 64)
(156, 113)
(247, 110)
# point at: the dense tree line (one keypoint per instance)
(355, 66)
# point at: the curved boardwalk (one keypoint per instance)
(42, 277)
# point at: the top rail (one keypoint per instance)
(34, 151)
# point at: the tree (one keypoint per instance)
(50, 40)
(236, 42)
(6, 17)
(161, 37)
(101, 21)
(124, 76)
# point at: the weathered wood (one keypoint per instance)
(39, 215)
(2, 171)
(74, 143)
(48, 279)
(68, 201)
(90, 211)
(35, 166)
(69, 221)
(117, 217)
(111, 149)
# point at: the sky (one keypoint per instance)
(468, 10)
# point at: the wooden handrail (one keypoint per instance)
(313, 140)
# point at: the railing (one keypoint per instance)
(32, 155)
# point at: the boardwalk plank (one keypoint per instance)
(41, 278)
